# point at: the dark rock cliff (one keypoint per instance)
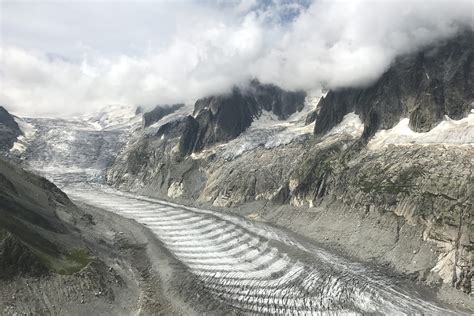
(158, 113)
(221, 118)
(224, 117)
(9, 130)
(424, 87)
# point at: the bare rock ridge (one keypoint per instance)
(221, 118)
(423, 86)
(215, 119)
(17, 259)
(159, 112)
(9, 130)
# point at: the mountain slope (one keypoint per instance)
(224, 117)
(423, 87)
(401, 201)
(9, 130)
(38, 223)
(57, 259)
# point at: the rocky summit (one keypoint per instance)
(423, 86)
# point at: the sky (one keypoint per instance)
(67, 57)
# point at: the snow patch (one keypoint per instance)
(113, 117)
(458, 132)
(266, 132)
(350, 125)
(18, 147)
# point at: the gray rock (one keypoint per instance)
(159, 112)
(423, 86)
(9, 130)
(224, 117)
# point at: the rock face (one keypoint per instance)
(9, 130)
(423, 87)
(158, 113)
(224, 117)
(215, 119)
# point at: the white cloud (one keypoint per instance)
(78, 57)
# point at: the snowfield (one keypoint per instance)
(448, 132)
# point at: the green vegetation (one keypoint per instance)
(67, 264)
(48, 253)
(318, 166)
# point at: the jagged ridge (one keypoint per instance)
(423, 86)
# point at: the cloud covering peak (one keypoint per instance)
(62, 58)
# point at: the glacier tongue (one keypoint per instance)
(249, 265)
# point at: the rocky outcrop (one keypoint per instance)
(9, 130)
(409, 182)
(224, 117)
(215, 119)
(423, 86)
(158, 113)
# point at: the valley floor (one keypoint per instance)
(157, 257)
(229, 263)
(364, 238)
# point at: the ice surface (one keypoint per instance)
(113, 117)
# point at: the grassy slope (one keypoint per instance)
(37, 221)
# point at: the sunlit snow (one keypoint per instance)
(350, 125)
(113, 117)
(455, 132)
